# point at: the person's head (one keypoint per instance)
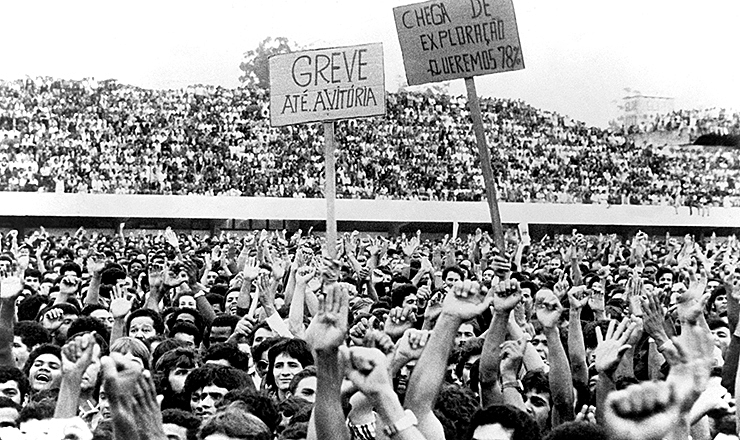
(451, 275)
(457, 404)
(32, 277)
(87, 324)
(528, 290)
(234, 422)
(303, 384)
(216, 300)
(721, 333)
(70, 268)
(537, 398)
(260, 352)
(186, 315)
(144, 324)
(180, 425)
(133, 349)
(470, 353)
(10, 412)
(173, 368)
(578, 431)
(185, 301)
(227, 354)
(14, 384)
(27, 335)
(286, 358)
(502, 422)
(261, 332)
(221, 328)
(468, 330)
(259, 403)
(718, 301)
(665, 278)
(208, 385)
(44, 367)
(404, 295)
(32, 414)
(100, 313)
(186, 332)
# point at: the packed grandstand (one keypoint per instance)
(105, 137)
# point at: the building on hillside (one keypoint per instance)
(641, 110)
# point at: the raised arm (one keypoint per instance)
(464, 302)
(548, 310)
(95, 268)
(297, 305)
(77, 355)
(577, 298)
(506, 295)
(10, 288)
(325, 335)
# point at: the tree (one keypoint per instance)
(255, 63)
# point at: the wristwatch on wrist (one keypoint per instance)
(405, 422)
(516, 384)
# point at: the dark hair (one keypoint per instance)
(235, 421)
(662, 271)
(309, 371)
(223, 320)
(91, 308)
(29, 307)
(258, 403)
(295, 348)
(71, 265)
(184, 419)
(228, 352)
(85, 324)
(8, 373)
(536, 381)
(192, 312)
(111, 274)
(67, 309)
(187, 328)
(43, 410)
(458, 404)
(158, 324)
(165, 346)
(30, 272)
(180, 357)
(264, 346)
(218, 375)
(455, 269)
(32, 333)
(250, 337)
(509, 417)
(399, 294)
(38, 351)
(470, 348)
(578, 431)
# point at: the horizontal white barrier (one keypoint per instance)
(390, 211)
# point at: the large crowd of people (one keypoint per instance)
(266, 336)
(104, 137)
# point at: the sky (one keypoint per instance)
(582, 56)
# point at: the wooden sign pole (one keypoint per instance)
(330, 190)
(485, 164)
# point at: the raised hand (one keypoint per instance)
(358, 331)
(171, 238)
(95, 264)
(367, 368)
(578, 297)
(120, 305)
(609, 351)
(10, 288)
(79, 353)
(466, 300)
(328, 328)
(506, 295)
(399, 320)
(380, 340)
(653, 318)
(305, 274)
(647, 411)
(265, 291)
(548, 308)
(251, 269)
(512, 353)
(172, 279)
(244, 328)
(409, 247)
(68, 286)
(410, 346)
(586, 414)
(561, 287)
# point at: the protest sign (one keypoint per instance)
(449, 39)
(327, 84)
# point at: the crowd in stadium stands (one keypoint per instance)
(104, 137)
(256, 336)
